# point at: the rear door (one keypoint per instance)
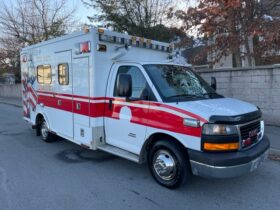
(81, 93)
(63, 89)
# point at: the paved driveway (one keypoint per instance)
(61, 175)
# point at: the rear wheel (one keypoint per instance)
(168, 164)
(46, 136)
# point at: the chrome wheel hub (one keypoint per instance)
(164, 165)
(44, 130)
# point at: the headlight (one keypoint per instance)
(219, 129)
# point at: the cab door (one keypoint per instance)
(125, 121)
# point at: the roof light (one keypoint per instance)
(101, 31)
(85, 29)
(133, 39)
(142, 40)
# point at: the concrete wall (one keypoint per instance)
(13, 91)
(258, 85)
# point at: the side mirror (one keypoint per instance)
(124, 85)
(214, 83)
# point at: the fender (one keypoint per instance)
(188, 142)
(45, 118)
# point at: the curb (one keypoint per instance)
(275, 152)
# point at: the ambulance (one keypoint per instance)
(127, 96)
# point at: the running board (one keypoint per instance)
(119, 152)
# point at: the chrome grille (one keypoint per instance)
(250, 127)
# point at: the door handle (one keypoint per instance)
(59, 102)
(110, 104)
(78, 106)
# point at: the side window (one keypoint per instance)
(63, 74)
(140, 87)
(44, 74)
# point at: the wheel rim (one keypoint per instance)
(44, 130)
(164, 165)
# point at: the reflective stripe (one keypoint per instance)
(152, 114)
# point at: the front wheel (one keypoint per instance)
(46, 136)
(168, 164)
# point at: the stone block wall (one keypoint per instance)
(258, 85)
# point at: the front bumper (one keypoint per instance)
(231, 164)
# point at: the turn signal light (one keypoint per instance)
(221, 147)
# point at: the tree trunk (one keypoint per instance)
(237, 57)
(248, 51)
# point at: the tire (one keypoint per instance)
(168, 164)
(46, 136)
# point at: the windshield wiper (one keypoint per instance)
(212, 94)
(185, 96)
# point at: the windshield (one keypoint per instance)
(179, 83)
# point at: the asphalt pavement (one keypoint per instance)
(62, 175)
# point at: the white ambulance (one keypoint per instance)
(125, 95)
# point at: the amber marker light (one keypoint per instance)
(101, 31)
(221, 147)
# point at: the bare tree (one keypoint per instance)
(26, 22)
(146, 18)
(32, 21)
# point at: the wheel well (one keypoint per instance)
(152, 140)
(39, 119)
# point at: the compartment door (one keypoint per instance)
(81, 93)
(63, 115)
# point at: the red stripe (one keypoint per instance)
(143, 116)
(32, 103)
(33, 93)
(25, 114)
(163, 106)
(183, 111)
(24, 103)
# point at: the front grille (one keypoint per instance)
(245, 131)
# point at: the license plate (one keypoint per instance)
(256, 163)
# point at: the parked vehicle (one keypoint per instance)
(124, 95)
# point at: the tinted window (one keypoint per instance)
(44, 74)
(63, 74)
(140, 87)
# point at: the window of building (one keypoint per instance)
(44, 74)
(63, 74)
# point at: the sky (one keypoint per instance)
(81, 11)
